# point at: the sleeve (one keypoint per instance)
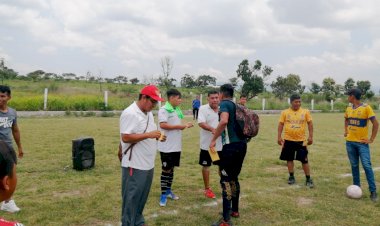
(282, 117)
(128, 124)
(346, 113)
(201, 115)
(308, 116)
(163, 115)
(370, 112)
(223, 107)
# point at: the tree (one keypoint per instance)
(205, 80)
(234, 81)
(166, 66)
(36, 75)
(349, 84)
(69, 76)
(188, 81)
(365, 87)
(329, 89)
(253, 77)
(285, 86)
(315, 88)
(134, 81)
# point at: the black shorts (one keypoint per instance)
(294, 150)
(205, 158)
(170, 160)
(231, 160)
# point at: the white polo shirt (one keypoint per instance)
(173, 141)
(134, 121)
(207, 115)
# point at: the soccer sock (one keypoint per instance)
(170, 180)
(164, 182)
(307, 177)
(291, 174)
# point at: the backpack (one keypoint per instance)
(247, 122)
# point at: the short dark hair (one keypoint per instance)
(357, 93)
(5, 89)
(227, 90)
(243, 96)
(7, 160)
(210, 92)
(295, 96)
(173, 93)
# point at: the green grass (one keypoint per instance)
(50, 192)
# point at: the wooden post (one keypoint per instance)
(45, 99)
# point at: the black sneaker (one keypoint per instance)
(373, 196)
(291, 180)
(309, 183)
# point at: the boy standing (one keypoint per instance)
(231, 156)
(357, 142)
(196, 104)
(169, 119)
(294, 145)
(9, 129)
(208, 120)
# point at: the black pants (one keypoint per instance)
(231, 162)
(195, 113)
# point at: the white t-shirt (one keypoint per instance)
(134, 121)
(173, 141)
(207, 115)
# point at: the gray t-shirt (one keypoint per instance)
(7, 120)
(173, 141)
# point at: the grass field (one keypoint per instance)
(50, 192)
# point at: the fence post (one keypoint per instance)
(106, 98)
(159, 102)
(332, 105)
(45, 99)
(312, 104)
(234, 99)
(263, 104)
(200, 98)
(289, 101)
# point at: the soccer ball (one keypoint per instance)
(354, 192)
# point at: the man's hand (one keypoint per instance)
(366, 141)
(20, 153)
(154, 134)
(189, 125)
(309, 141)
(120, 154)
(280, 141)
(212, 131)
(212, 144)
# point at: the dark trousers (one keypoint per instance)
(231, 162)
(135, 187)
(195, 113)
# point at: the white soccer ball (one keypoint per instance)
(354, 192)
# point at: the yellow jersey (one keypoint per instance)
(295, 123)
(358, 122)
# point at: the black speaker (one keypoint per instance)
(83, 153)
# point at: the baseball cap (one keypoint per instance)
(152, 91)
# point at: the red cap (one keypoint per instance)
(152, 91)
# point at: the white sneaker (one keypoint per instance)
(10, 206)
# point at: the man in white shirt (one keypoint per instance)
(208, 120)
(137, 152)
(169, 118)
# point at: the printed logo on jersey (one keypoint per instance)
(5, 122)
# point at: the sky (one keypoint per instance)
(313, 39)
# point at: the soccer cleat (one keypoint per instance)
(309, 183)
(373, 196)
(163, 200)
(291, 180)
(10, 206)
(171, 195)
(209, 193)
(235, 214)
(222, 222)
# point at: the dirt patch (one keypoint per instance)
(301, 201)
